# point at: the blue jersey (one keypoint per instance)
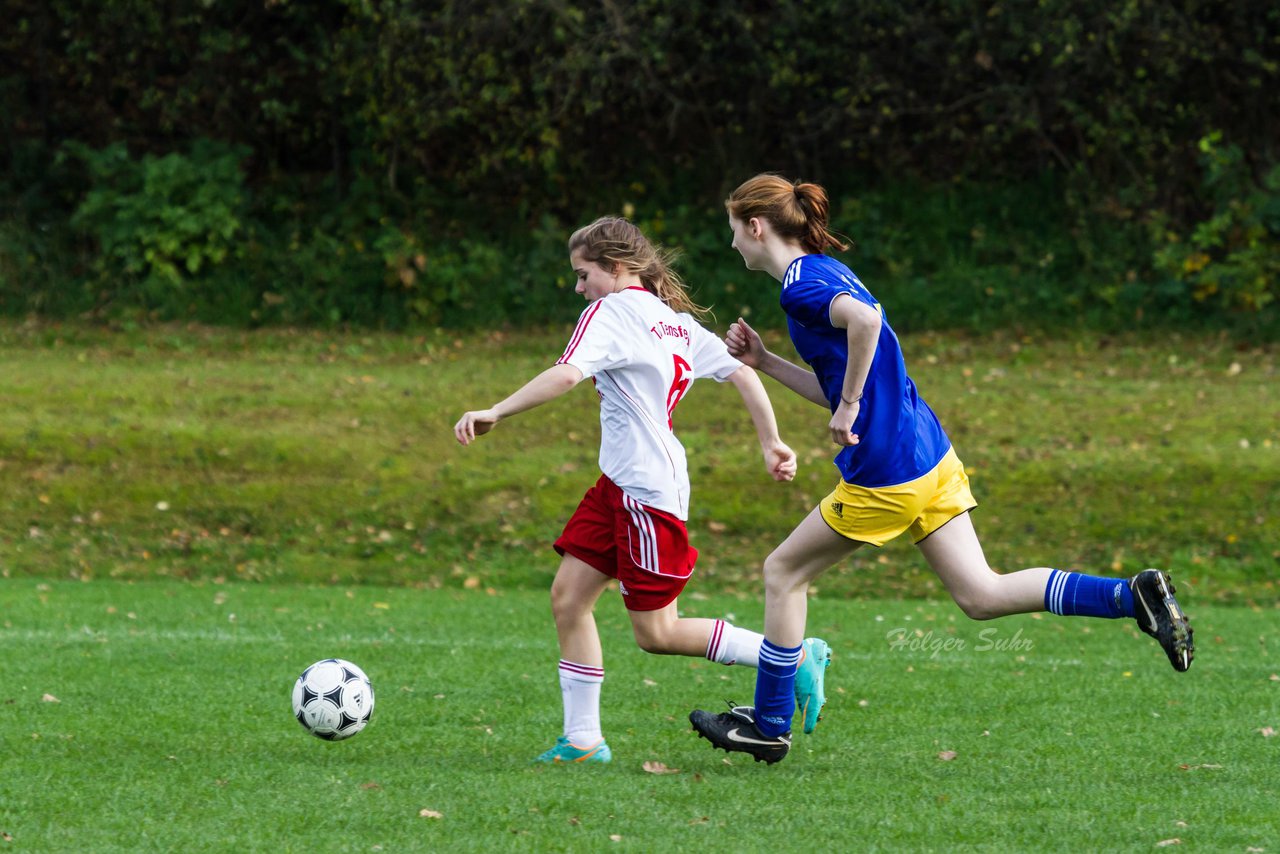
(900, 438)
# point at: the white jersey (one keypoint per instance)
(643, 356)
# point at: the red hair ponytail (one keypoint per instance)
(799, 212)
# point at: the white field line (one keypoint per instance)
(87, 634)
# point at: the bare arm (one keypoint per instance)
(862, 324)
(546, 386)
(745, 345)
(779, 460)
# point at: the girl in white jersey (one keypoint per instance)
(642, 347)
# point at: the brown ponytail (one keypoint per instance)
(799, 212)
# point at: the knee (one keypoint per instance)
(651, 638)
(564, 605)
(779, 577)
(783, 577)
(977, 604)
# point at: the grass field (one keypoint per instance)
(154, 716)
(323, 457)
(189, 517)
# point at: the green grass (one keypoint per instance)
(154, 716)
(189, 517)
(326, 457)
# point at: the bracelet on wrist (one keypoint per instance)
(844, 399)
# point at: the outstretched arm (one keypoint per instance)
(548, 385)
(745, 345)
(779, 460)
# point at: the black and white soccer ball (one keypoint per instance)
(333, 699)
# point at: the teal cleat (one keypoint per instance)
(564, 753)
(810, 677)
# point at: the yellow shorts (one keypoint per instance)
(920, 506)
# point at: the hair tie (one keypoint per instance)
(795, 191)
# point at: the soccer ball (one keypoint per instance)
(333, 699)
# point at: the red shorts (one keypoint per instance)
(647, 550)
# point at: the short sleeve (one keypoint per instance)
(598, 342)
(809, 301)
(709, 355)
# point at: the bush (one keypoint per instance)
(161, 223)
(36, 275)
(419, 164)
(1231, 259)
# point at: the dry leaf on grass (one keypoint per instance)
(1165, 843)
(424, 813)
(947, 755)
(658, 768)
(49, 698)
(1267, 732)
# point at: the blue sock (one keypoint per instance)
(776, 688)
(1072, 594)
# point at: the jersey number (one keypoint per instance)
(679, 386)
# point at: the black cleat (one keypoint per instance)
(1159, 615)
(736, 730)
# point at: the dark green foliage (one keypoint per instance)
(407, 163)
(1231, 259)
(161, 221)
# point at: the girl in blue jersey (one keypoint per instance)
(898, 471)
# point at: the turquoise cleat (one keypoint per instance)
(810, 678)
(564, 753)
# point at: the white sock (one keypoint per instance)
(732, 645)
(580, 687)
